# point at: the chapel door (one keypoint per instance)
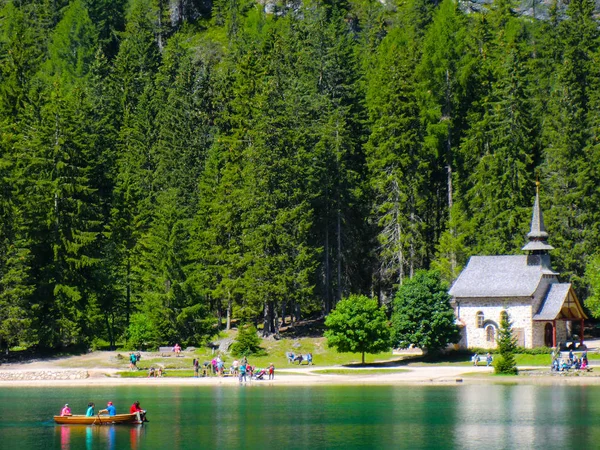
(548, 333)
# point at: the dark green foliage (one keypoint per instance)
(247, 342)
(505, 364)
(422, 315)
(193, 164)
(358, 324)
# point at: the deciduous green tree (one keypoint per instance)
(422, 315)
(358, 324)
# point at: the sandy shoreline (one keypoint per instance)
(433, 375)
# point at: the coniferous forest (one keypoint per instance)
(170, 166)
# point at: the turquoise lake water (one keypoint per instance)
(322, 417)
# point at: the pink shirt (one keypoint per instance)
(66, 411)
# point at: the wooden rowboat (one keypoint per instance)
(98, 419)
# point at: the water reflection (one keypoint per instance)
(317, 417)
(94, 436)
(65, 438)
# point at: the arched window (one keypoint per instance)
(503, 316)
(480, 319)
(490, 333)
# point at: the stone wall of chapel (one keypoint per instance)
(539, 329)
(518, 309)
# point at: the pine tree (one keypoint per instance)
(507, 346)
(397, 165)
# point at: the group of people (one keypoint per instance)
(241, 369)
(488, 359)
(110, 410)
(571, 362)
(154, 373)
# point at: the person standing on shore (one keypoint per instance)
(242, 373)
(271, 371)
(196, 367)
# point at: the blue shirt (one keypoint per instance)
(90, 412)
(111, 410)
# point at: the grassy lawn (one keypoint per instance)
(358, 371)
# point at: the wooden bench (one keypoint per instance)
(163, 350)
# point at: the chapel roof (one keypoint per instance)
(560, 303)
(538, 235)
(501, 276)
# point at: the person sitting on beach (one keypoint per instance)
(110, 410)
(66, 411)
(90, 410)
(177, 349)
(151, 372)
(584, 364)
(160, 371)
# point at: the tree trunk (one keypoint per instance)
(229, 309)
(128, 291)
(339, 254)
(283, 310)
(327, 271)
(363, 358)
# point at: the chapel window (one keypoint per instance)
(490, 333)
(480, 319)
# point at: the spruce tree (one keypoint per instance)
(507, 345)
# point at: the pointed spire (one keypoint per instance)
(538, 235)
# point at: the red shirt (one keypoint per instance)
(134, 408)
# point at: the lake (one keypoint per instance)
(491, 416)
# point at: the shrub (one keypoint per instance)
(247, 342)
(504, 367)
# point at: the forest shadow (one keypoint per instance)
(452, 357)
(33, 354)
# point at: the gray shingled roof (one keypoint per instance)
(498, 276)
(537, 245)
(554, 300)
(538, 230)
(538, 235)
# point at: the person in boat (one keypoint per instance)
(135, 408)
(66, 411)
(110, 410)
(90, 410)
